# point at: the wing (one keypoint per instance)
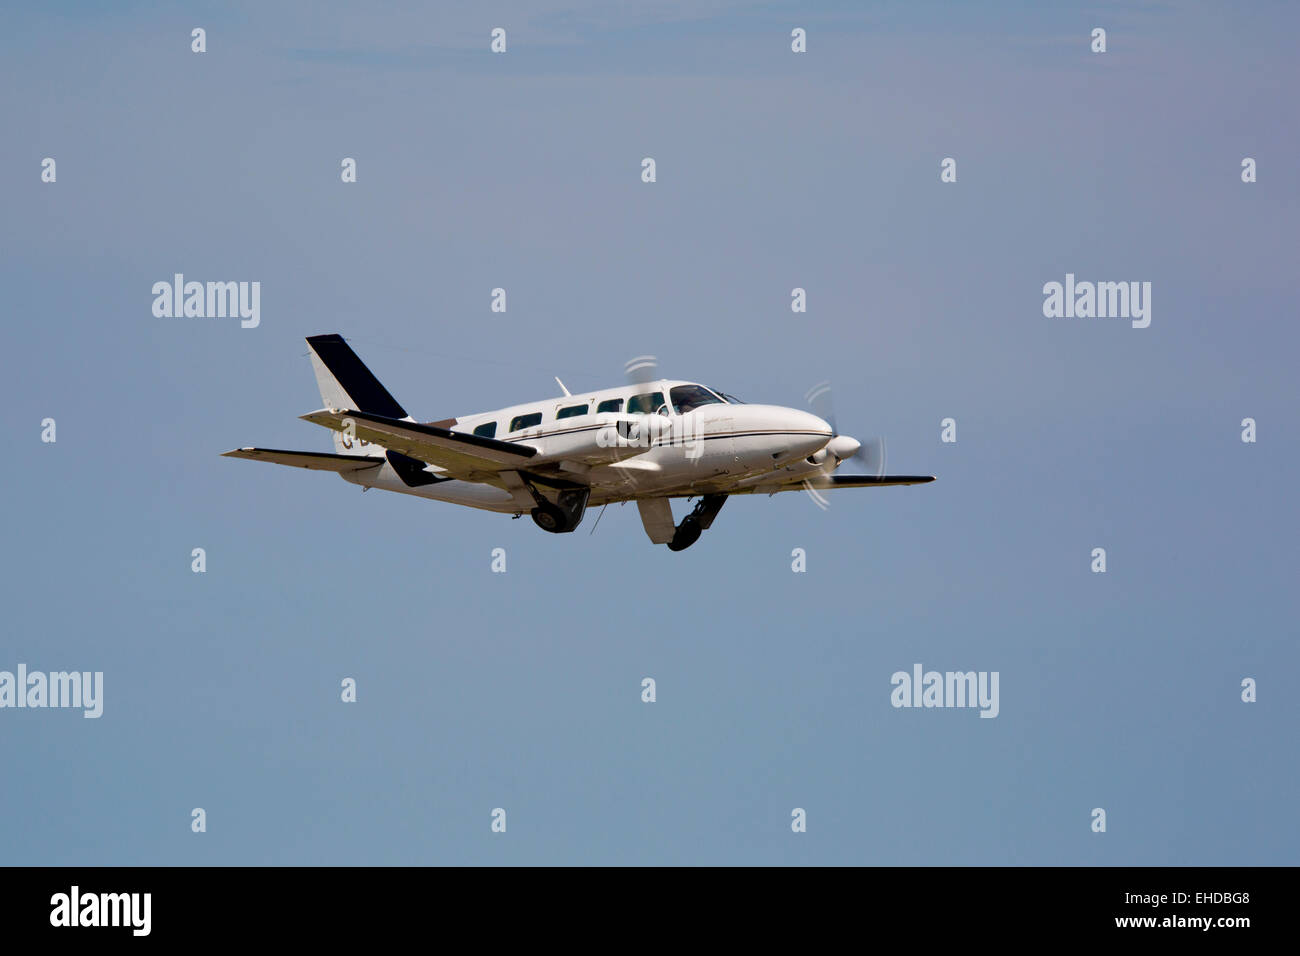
(823, 482)
(866, 481)
(468, 457)
(317, 461)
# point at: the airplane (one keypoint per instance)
(649, 441)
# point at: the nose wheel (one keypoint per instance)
(688, 532)
(695, 523)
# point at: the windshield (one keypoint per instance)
(689, 397)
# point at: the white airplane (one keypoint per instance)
(648, 442)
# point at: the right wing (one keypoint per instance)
(867, 481)
(763, 486)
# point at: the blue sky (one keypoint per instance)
(775, 170)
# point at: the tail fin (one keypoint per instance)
(346, 383)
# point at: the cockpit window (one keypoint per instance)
(646, 404)
(689, 397)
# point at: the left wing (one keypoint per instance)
(317, 461)
(468, 457)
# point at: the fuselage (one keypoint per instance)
(663, 438)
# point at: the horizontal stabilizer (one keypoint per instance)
(317, 461)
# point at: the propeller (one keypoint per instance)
(642, 370)
(821, 400)
(872, 456)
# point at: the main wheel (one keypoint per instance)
(549, 518)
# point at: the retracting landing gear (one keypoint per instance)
(688, 532)
(562, 515)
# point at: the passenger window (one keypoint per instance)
(610, 405)
(525, 421)
(487, 430)
(646, 404)
(572, 411)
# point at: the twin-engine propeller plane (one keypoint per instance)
(648, 442)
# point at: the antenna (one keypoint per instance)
(561, 384)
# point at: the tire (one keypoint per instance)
(688, 532)
(549, 518)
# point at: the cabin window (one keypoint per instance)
(486, 430)
(645, 404)
(689, 397)
(572, 411)
(610, 405)
(525, 421)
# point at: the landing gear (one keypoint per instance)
(562, 515)
(700, 518)
(549, 518)
(688, 532)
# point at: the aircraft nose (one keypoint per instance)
(812, 430)
(811, 422)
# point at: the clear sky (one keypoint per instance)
(775, 170)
